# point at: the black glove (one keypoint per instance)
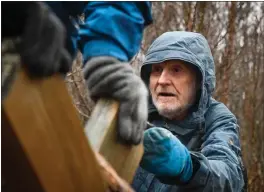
(42, 37)
(109, 78)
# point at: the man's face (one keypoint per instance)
(173, 88)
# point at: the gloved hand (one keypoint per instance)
(165, 156)
(107, 77)
(42, 42)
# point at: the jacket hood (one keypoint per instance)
(189, 47)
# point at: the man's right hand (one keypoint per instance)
(107, 77)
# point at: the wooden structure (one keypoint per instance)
(45, 148)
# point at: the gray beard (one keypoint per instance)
(172, 113)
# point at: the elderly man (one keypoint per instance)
(193, 141)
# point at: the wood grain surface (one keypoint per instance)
(45, 146)
(102, 133)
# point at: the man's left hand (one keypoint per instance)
(165, 155)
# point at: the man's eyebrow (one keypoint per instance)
(157, 65)
(176, 65)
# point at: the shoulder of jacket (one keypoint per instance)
(218, 111)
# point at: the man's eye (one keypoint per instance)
(176, 69)
(157, 69)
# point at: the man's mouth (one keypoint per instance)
(166, 94)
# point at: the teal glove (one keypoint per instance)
(165, 155)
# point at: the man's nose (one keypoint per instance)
(164, 78)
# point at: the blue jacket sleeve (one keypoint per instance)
(218, 165)
(113, 29)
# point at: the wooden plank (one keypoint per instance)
(17, 173)
(45, 137)
(101, 131)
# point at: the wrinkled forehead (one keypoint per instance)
(174, 62)
(146, 69)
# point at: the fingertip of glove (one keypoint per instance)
(138, 138)
(156, 134)
(129, 134)
(124, 129)
(65, 63)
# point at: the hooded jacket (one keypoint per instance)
(217, 163)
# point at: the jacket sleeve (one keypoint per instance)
(217, 165)
(113, 29)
